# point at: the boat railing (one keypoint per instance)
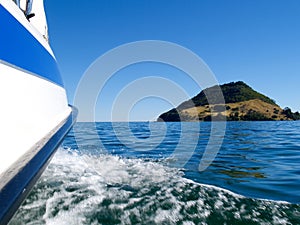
(27, 9)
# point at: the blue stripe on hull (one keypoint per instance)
(12, 195)
(20, 48)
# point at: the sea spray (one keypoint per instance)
(87, 189)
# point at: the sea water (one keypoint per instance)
(127, 173)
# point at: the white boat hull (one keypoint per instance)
(33, 106)
(35, 115)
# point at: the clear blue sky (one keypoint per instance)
(256, 41)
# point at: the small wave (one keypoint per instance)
(84, 189)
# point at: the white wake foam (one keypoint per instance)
(106, 189)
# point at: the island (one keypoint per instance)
(242, 103)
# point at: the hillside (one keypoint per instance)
(242, 104)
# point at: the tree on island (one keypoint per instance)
(289, 114)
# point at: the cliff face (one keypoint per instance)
(241, 103)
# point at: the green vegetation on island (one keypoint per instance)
(242, 103)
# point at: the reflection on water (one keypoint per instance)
(257, 159)
(240, 173)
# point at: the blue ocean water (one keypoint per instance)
(139, 173)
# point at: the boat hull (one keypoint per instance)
(35, 115)
(19, 179)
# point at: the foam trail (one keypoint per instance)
(82, 189)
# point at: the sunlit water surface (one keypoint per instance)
(130, 176)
